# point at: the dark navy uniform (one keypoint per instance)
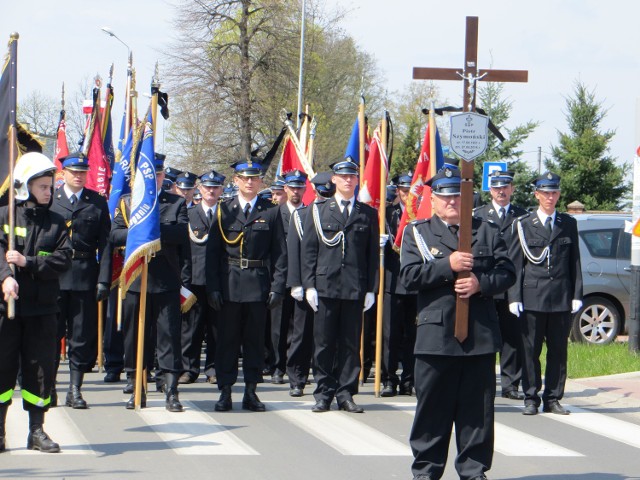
(399, 312)
(201, 320)
(169, 269)
(549, 280)
(341, 263)
(89, 224)
(511, 352)
(455, 382)
(246, 270)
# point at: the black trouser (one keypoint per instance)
(78, 317)
(453, 391)
(301, 347)
(240, 324)
(281, 322)
(197, 323)
(28, 343)
(113, 341)
(511, 353)
(399, 334)
(162, 331)
(552, 329)
(336, 330)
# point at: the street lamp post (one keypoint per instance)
(129, 94)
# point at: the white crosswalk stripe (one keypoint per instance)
(192, 432)
(58, 424)
(340, 431)
(515, 443)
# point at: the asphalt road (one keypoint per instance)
(600, 440)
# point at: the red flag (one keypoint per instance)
(99, 168)
(370, 190)
(418, 190)
(62, 148)
(291, 161)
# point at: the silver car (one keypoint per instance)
(605, 253)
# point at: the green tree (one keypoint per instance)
(589, 174)
(406, 155)
(491, 99)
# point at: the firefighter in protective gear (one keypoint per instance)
(41, 253)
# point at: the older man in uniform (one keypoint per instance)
(399, 311)
(201, 319)
(246, 273)
(340, 252)
(169, 269)
(86, 214)
(545, 251)
(502, 213)
(454, 379)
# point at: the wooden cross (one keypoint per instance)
(470, 75)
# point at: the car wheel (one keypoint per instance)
(597, 322)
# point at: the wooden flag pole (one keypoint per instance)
(100, 335)
(11, 240)
(361, 161)
(140, 372)
(382, 222)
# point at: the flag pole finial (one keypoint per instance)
(155, 81)
(14, 36)
(62, 98)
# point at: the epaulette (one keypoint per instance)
(418, 222)
(522, 217)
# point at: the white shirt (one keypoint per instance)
(69, 192)
(543, 217)
(293, 208)
(340, 198)
(206, 209)
(498, 207)
(243, 202)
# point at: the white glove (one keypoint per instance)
(515, 308)
(297, 293)
(576, 305)
(384, 238)
(312, 298)
(369, 300)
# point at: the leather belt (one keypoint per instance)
(83, 255)
(246, 263)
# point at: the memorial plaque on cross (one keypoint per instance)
(470, 75)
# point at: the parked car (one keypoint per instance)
(605, 253)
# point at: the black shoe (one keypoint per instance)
(296, 392)
(161, 387)
(389, 391)
(250, 401)
(555, 407)
(267, 372)
(131, 404)
(173, 402)
(2, 445)
(277, 379)
(530, 409)
(321, 406)
(186, 378)
(224, 404)
(406, 389)
(513, 395)
(74, 398)
(39, 440)
(128, 388)
(112, 377)
(351, 407)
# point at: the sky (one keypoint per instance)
(558, 41)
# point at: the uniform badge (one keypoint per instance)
(448, 173)
(549, 176)
(435, 251)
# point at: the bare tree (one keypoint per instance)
(39, 113)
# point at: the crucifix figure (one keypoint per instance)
(470, 74)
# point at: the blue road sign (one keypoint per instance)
(487, 169)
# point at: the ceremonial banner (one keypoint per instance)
(370, 191)
(99, 170)
(8, 102)
(143, 238)
(61, 148)
(121, 179)
(415, 208)
(107, 129)
(290, 161)
(353, 147)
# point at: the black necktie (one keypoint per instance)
(454, 229)
(501, 213)
(73, 199)
(548, 224)
(210, 215)
(247, 209)
(345, 209)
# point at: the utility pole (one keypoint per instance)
(539, 160)
(634, 300)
